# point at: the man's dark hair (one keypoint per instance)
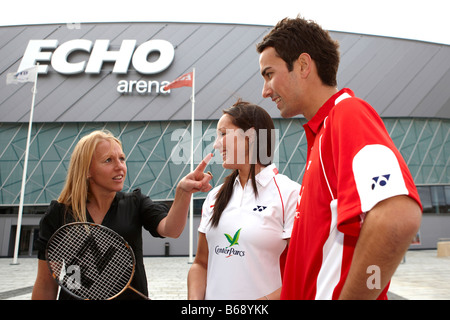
(292, 37)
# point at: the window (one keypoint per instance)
(435, 199)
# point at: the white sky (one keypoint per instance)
(411, 19)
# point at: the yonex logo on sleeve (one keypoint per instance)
(380, 180)
(377, 175)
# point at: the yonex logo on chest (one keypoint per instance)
(259, 208)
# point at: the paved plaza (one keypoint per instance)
(421, 276)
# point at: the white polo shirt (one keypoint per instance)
(245, 247)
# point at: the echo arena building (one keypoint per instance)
(111, 76)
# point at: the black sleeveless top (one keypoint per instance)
(128, 214)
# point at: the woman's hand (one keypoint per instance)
(197, 180)
(172, 226)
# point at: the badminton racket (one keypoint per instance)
(91, 261)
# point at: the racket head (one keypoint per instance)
(90, 261)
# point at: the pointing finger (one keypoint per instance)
(201, 167)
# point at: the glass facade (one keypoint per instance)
(435, 199)
(158, 156)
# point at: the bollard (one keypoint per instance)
(166, 249)
(443, 247)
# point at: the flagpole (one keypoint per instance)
(24, 174)
(191, 209)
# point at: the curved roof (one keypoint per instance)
(400, 78)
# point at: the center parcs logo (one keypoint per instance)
(230, 249)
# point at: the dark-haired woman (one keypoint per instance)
(247, 221)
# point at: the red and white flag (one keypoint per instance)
(182, 81)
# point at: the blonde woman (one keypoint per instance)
(93, 193)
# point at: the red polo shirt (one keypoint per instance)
(352, 164)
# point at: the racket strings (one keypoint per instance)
(90, 262)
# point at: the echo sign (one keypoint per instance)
(98, 50)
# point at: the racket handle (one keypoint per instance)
(142, 295)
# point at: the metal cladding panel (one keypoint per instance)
(399, 78)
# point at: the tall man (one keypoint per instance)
(358, 207)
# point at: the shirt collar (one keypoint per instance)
(316, 122)
(264, 176)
